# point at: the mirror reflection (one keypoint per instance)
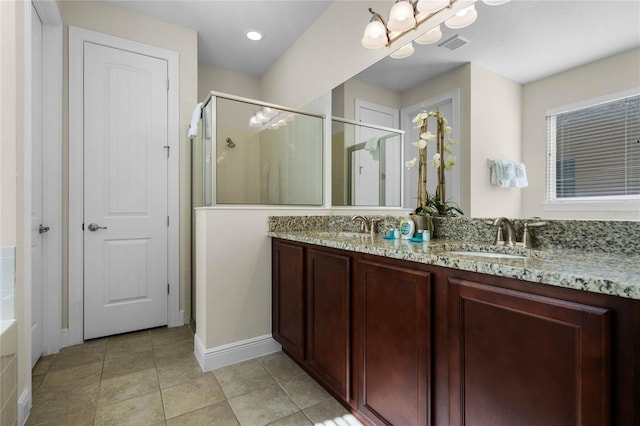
(263, 154)
(552, 58)
(366, 164)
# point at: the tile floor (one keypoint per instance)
(151, 377)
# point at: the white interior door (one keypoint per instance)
(366, 173)
(389, 176)
(125, 191)
(36, 189)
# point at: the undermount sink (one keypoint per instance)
(488, 254)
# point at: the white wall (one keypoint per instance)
(610, 75)
(104, 18)
(496, 134)
(211, 78)
(13, 175)
(356, 89)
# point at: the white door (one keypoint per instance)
(387, 169)
(37, 233)
(366, 179)
(125, 191)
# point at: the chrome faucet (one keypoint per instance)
(511, 233)
(364, 223)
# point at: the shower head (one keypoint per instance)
(230, 143)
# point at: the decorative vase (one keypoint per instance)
(423, 223)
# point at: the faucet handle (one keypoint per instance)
(535, 224)
(526, 234)
(372, 223)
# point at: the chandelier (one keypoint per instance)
(406, 15)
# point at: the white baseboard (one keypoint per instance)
(24, 406)
(212, 358)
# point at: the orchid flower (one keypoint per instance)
(436, 160)
(449, 162)
(421, 144)
(420, 117)
(428, 136)
(411, 163)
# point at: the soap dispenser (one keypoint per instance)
(407, 228)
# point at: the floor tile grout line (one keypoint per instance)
(285, 391)
(155, 364)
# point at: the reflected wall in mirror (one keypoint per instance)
(506, 87)
(264, 154)
(366, 164)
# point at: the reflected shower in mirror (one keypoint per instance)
(366, 164)
(260, 154)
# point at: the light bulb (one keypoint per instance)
(495, 2)
(429, 6)
(404, 52)
(401, 17)
(375, 34)
(463, 18)
(261, 117)
(269, 112)
(430, 36)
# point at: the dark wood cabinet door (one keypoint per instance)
(392, 343)
(288, 296)
(521, 359)
(328, 318)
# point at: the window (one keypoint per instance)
(593, 154)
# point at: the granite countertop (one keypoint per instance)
(594, 271)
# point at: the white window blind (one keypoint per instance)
(593, 152)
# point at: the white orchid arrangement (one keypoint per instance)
(442, 160)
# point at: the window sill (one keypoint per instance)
(593, 205)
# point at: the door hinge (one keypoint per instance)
(167, 84)
(168, 148)
(167, 288)
(83, 226)
(167, 220)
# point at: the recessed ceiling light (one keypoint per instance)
(254, 35)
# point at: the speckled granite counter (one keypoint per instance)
(615, 274)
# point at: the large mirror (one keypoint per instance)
(366, 164)
(517, 61)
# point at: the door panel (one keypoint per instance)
(392, 317)
(288, 298)
(125, 191)
(521, 359)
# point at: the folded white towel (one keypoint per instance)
(509, 174)
(195, 119)
(520, 180)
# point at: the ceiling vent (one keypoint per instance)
(454, 42)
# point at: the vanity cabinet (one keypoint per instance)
(518, 358)
(405, 343)
(328, 311)
(311, 296)
(288, 297)
(392, 342)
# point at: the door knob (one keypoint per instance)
(43, 229)
(93, 227)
